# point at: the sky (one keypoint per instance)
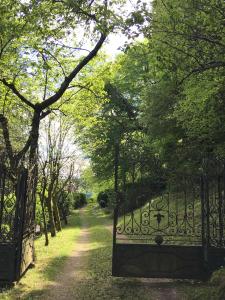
(115, 40)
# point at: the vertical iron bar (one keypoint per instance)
(220, 202)
(177, 219)
(168, 205)
(205, 218)
(21, 198)
(116, 188)
(202, 195)
(132, 221)
(207, 210)
(115, 216)
(193, 205)
(185, 205)
(2, 195)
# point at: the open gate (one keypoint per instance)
(177, 234)
(16, 224)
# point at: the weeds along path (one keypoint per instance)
(87, 272)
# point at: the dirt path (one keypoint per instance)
(76, 282)
(74, 270)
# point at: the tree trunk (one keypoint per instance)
(56, 215)
(51, 217)
(33, 166)
(44, 221)
(34, 138)
(64, 217)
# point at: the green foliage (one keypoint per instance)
(65, 203)
(79, 200)
(138, 193)
(161, 100)
(103, 199)
(38, 213)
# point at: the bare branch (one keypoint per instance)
(45, 113)
(85, 87)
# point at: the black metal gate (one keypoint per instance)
(177, 234)
(16, 224)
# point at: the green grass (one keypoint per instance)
(212, 290)
(49, 261)
(96, 282)
(99, 284)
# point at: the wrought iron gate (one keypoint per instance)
(16, 224)
(178, 234)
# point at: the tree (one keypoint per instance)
(39, 58)
(38, 64)
(183, 107)
(57, 157)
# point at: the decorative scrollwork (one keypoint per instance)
(191, 212)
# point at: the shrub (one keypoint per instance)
(103, 199)
(79, 200)
(106, 198)
(65, 204)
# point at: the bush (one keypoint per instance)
(135, 195)
(106, 198)
(103, 199)
(65, 204)
(138, 193)
(79, 200)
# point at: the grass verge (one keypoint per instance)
(49, 262)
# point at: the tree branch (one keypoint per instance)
(72, 75)
(17, 93)
(23, 151)
(208, 66)
(58, 62)
(8, 145)
(71, 47)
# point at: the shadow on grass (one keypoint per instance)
(94, 280)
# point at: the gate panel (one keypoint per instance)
(139, 260)
(8, 244)
(171, 218)
(178, 234)
(26, 205)
(7, 262)
(16, 219)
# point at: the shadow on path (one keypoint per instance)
(87, 272)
